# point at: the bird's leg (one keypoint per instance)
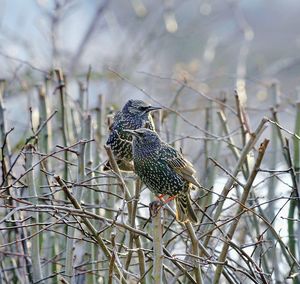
(161, 197)
(169, 199)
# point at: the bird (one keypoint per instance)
(164, 171)
(134, 114)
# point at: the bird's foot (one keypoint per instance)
(161, 198)
(154, 207)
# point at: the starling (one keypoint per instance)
(164, 171)
(135, 114)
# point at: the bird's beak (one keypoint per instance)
(132, 132)
(152, 108)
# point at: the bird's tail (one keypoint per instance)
(184, 209)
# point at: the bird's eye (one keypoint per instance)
(143, 107)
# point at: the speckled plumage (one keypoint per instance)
(135, 114)
(164, 171)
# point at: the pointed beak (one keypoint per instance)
(152, 108)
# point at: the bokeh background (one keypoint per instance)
(217, 47)
(214, 44)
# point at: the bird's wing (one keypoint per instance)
(116, 133)
(116, 118)
(177, 162)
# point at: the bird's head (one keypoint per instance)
(138, 107)
(144, 138)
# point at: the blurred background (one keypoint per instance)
(215, 47)
(191, 57)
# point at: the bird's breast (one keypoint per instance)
(158, 177)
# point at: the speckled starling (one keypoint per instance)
(164, 171)
(135, 114)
